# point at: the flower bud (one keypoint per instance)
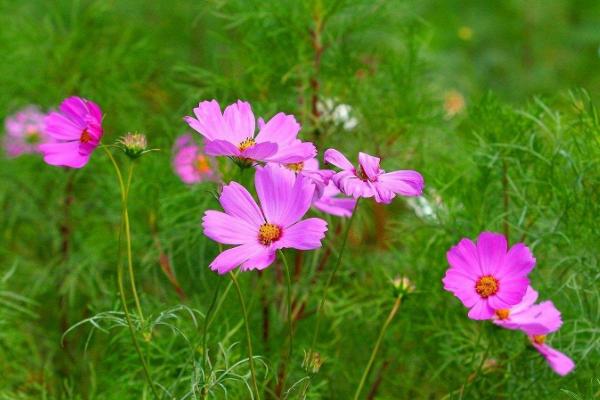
(402, 285)
(312, 362)
(133, 144)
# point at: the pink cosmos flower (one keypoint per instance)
(368, 180)
(310, 169)
(25, 132)
(77, 130)
(232, 134)
(536, 320)
(331, 203)
(487, 276)
(258, 232)
(559, 362)
(532, 318)
(190, 164)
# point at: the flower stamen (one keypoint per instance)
(85, 137)
(246, 143)
(487, 286)
(296, 167)
(269, 233)
(503, 313)
(539, 339)
(202, 164)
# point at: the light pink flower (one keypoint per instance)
(559, 362)
(258, 232)
(76, 129)
(487, 276)
(332, 203)
(532, 318)
(25, 132)
(369, 180)
(232, 134)
(191, 164)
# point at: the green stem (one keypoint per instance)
(205, 331)
(120, 278)
(331, 277)
(289, 310)
(128, 241)
(384, 328)
(248, 338)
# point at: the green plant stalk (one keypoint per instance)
(248, 338)
(124, 192)
(384, 328)
(289, 310)
(205, 331)
(331, 277)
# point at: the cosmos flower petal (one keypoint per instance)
(294, 152)
(209, 121)
(461, 285)
(260, 151)
(65, 154)
(336, 158)
(519, 260)
(240, 119)
(510, 292)
(281, 129)
(231, 258)
(491, 248)
(405, 183)
(531, 296)
(62, 128)
(369, 164)
(260, 261)
(329, 203)
(559, 362)
(238, 202)
(464, 256)
(221, 148)
(227, 229)
(274, 186)
(539, 319)
(480, 311)
(304, 235)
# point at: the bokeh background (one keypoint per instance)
(492, 101)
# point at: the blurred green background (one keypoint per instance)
(492, 101)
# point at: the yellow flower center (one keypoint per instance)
(296, 167)
(202, 164)
(269, 233)
(246, 143)
(85, 137)
(539, 339)
(502, 313)
(486, 286)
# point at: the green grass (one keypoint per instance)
(522, 157)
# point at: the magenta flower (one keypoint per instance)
(258, 232)
(529, 317)
(76, 129)
(485, 276)
(25, 132)
(368, 180)
(331, 203)
(232, 134)
(559, 362)
(191, 164)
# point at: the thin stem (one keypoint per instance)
(120, 278)
(384, 328)
(128, 241)
(289, 318)
(248, 338)
(332, 276)
(205, 331)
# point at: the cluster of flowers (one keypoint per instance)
(487, 277)
(491, 280)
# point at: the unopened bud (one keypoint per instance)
(402, 285)
(312, 362)
(134, 144)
